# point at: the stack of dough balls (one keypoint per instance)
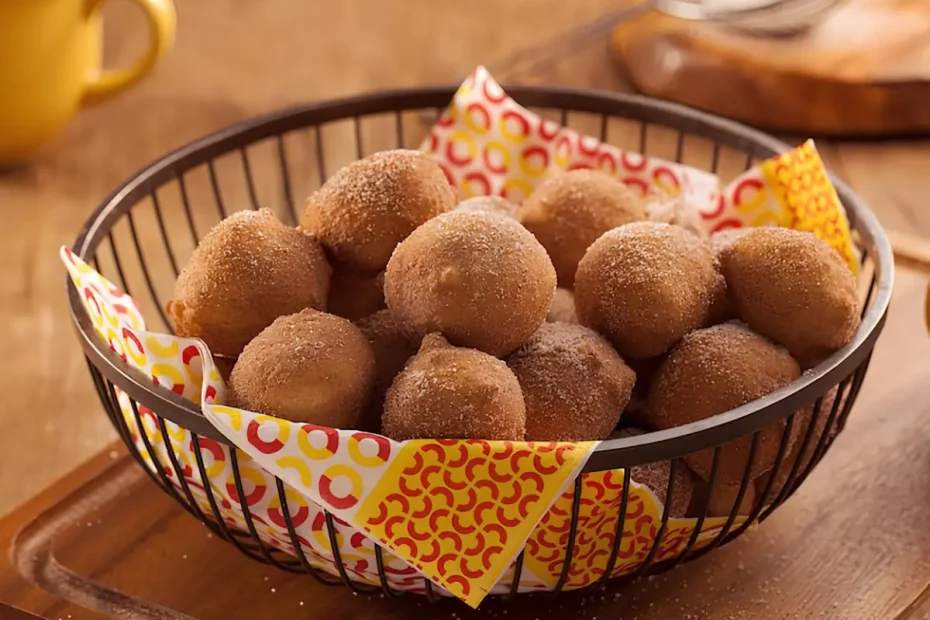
(588, 311)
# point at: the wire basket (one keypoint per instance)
(144, 231)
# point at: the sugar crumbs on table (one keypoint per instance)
(114, 454)
(301, 603)
(184, 557)
(273, 590)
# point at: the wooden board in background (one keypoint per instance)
(863, 68)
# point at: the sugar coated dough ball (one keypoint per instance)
(793, 288)
(712, 371)
(392, 347)
(656, 476)
(352, 296)
(364, 210)
(447, 392)
(479, 278)
(246, 272)
(574, 384)
(489, 204)
(569, 211)
(562, 309)
(309, 367)
(644, 286)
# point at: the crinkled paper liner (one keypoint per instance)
(455, 512)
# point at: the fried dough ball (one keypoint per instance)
(574, 384)
(722, 498)
(792, 287)
(352, 296)
(489, 204)
(712, 371)
(392, 347)
(644, 286)
(675, 210)
(246, 272)
(479, 278)
(364, 210)
(447, 392)
(569, 211)
(562, 309)
(656, 475)
(308, 367)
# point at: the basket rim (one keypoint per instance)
(610, 453)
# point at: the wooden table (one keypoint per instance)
(236, 58)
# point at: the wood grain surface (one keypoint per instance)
(862, 68)
(852, 543)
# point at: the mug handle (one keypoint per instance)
(162, 24)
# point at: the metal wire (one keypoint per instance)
(225, 532)
(699, 526)
(337, 557)
(621, 523)
(295, 539)
(247, 513)
(145, 273)
(249, 181)
(189, 216)
(572, 530)
(215, 188)
(660, 535)
(286, 181)
(382, 574)
(164, 233)
(517, 573)
(399, 129)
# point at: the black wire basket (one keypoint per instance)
(141, 234)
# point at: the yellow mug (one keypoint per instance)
(50, 66)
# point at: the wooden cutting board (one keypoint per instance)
(863, 68)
